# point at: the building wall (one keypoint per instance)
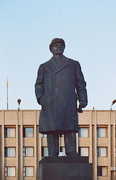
(100, 150)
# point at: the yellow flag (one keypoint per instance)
(7, 83)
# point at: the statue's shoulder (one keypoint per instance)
(44, 64)
(75, 62)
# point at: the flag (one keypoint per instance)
(7, 83)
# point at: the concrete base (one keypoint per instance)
(65, 168)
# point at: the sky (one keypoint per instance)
(26, 30)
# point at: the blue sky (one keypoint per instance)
(26, 30)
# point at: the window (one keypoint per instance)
(102, 152)
(28, 132)
(101, 132)
(102, 171)
(28, 171)
(10, 151)
(84, 151)
(83, 132)
(62, 149)
(61, 135)
(10, 132)
(28, 151)
(44, 151)
(9, 171)
(44, 135)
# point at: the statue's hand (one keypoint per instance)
(82, 104)
(79, 110)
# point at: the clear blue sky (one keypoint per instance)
(26, 30)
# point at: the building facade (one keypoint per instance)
(21, 145)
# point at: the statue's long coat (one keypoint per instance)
(57, 89)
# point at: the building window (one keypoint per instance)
(101, 132)
(62, 151)
(9, 171)
(84, 151)
(102, 152)
(83, 132)
(28, 132)
(28, 171)
(10, 132)
(44, 151)
(10, 151)
(28, 151)
(44, 135)
(102, 171)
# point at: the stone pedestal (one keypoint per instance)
(65, 168)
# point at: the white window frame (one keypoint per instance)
(106, 171)
(83, 132)
(7, 173)
(27, 135)
(25, 151)
(44, 135)
(102, 151)
(25, 173)
(10, 134)
(101, 132)
(103, 171)
(45, 151)
(7, 153)
(86, 153)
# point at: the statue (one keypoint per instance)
(59, 84)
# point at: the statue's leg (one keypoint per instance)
(53, 144)
(70, 144)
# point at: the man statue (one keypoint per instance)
(60, 83)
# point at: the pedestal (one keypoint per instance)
(65, 168)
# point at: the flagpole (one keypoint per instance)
(7, 91)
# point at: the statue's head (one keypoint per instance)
(57, 45)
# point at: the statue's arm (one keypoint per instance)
(81, 87)
(39, 85)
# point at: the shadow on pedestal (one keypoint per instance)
(65, 168)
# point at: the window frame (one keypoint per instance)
(6, 153)
(100, 171)
(6, 171)
(44, 135)
(83, 148)
(24, 151)
(42, 151)
(98, 153)
(80, 134)
(24, 171)
(6, 131)
(100, 136)
(24, 131)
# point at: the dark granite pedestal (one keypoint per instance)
(65, 168)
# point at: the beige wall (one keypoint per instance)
(30, 118)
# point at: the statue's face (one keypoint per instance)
(57, 48)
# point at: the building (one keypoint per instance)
(21, 145)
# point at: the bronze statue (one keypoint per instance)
(60, 83)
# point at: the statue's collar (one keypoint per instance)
(63, 62)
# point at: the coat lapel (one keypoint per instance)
(61, 65)
(52, 65)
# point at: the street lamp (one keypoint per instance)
(19, 102)
(113, 102)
